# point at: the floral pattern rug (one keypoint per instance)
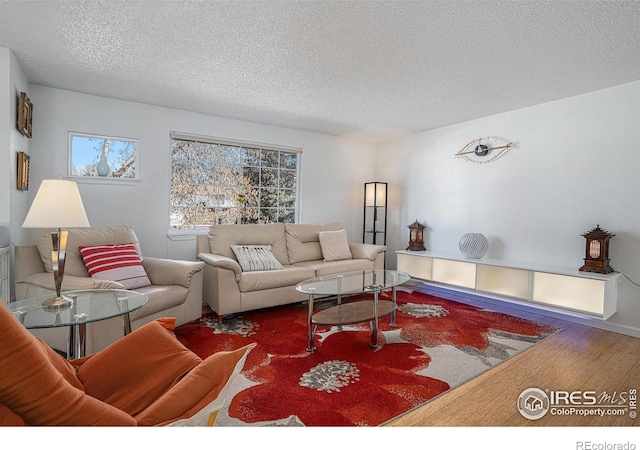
(437, 344)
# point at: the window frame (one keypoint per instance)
(182, 234)
(99, 179)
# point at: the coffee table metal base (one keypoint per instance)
(352, 313)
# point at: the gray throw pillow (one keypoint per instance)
(256, 257)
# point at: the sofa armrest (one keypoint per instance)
(27, 262)
(222, 262)
(70, 282)
(366, 251)
(171, 271)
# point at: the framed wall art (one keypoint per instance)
(23, 172)
(25, 115)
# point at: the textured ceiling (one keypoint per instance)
(371, 70)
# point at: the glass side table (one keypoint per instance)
(87, 306)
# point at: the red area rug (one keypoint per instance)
(437, 345)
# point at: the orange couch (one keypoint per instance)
(146, 378)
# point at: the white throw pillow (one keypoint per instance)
(256, 257)
(334, 245)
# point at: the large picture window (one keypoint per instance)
(215, 181)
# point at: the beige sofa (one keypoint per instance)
(227, 289)
(176, 289)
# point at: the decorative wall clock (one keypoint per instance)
(484, 150)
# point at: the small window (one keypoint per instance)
(103, 157)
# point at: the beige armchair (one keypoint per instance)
(175, 290)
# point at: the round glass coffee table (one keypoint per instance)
(350, 283)
(87, 306)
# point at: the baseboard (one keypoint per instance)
(443, 291)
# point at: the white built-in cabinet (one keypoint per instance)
(549, 287)
(4, 275)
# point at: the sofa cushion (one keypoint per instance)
(10, 419)
(119, 263)
(303, 243)
(106, 374)
(41, 387)
(161, 298)
(151, 374)
(329, 268)
(334, 245)
(199, 395)
(256, 257)
(85, 237)
(290, 276)
(222, 237)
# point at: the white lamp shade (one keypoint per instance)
(57, 205)
(375, 194)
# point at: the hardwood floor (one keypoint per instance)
(578, 358)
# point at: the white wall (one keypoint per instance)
(5, 155)
(12, 82)
(333, 169)
(19, 200)
(13, 203)
(575, 165)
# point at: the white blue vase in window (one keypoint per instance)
(103, 168)
(474, 245)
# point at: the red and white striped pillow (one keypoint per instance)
(120, 263)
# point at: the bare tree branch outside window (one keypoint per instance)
(86, 152)
(221, 183)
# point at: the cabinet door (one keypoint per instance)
(573, 293)
(504, 281)
(457, 273)
(416, 266)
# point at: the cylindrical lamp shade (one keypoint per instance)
(375, 194)
(57, 205)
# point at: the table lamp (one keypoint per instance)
(57, 205)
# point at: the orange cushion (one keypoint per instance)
(63, 366)
(200, 388)
(135, 371)
(38, 385)
(8, 418)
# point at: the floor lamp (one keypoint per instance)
(57, 205)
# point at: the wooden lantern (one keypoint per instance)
(416, 234)
(597, 252)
